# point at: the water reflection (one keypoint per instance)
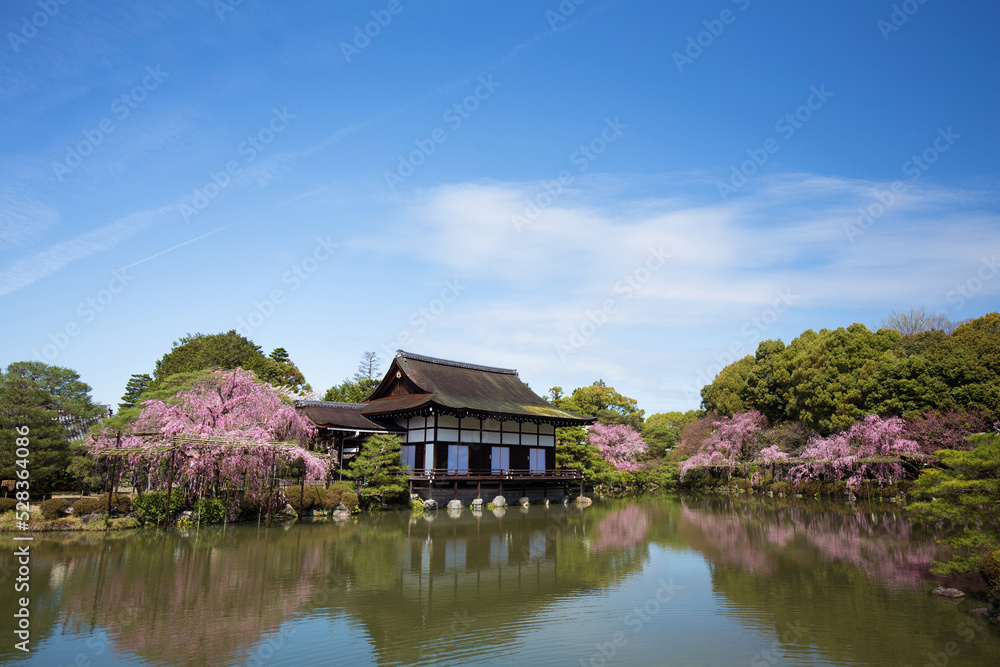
(539, 587)
(757, 535)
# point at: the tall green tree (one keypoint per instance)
(133, 390)
(378, 472)
(46, 399)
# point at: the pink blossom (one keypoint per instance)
(247, 415)
(618, 444)
(871, 448)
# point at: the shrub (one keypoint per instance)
(781, 487)
(150, 505)
(54, 508)
(7, 504)
(86, 506)
(417, 506)
(331, 497)
(349, 499)
(119, 505)
(311, 499)
(210, 510)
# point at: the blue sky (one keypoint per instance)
(633, 190)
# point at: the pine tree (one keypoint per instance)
(38, 396)
(377, 470)
(133, 390)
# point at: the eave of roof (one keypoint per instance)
(343, 417)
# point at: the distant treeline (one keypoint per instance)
(829, 380)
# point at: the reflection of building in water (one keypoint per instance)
(478, 558)
(417, 587)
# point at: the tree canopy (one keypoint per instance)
(830, 379)
(46, 399)
(227, 351)
(601, 401)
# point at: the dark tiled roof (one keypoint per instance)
(343, 416)
(457, 386)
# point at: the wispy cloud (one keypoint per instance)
(26, 271)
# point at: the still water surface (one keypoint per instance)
(653, 581)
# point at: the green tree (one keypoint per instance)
(964, 489)
(46, 399)
(378, 472)
(361, 386)
(227, 351)
(730, 391)
(662, 431)
(603, 402)
(133, 390)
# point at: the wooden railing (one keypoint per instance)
(491, 474)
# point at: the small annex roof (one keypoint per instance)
(415, 383)
(343, 417)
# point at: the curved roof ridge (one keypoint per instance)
(329, 404)
(457, 364)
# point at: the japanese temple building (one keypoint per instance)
(462, 426)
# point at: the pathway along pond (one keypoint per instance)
(650, 581)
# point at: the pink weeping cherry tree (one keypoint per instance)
(733, 440)
(870, 450)
(228, 422)
(618, 444)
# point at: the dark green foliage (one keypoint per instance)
(55, 508)
(303, 501)
(316, 497)
(119, 505)
(210, 510)
(828, 380)
(601, 401)
(573, 451)
(133, 390)
(662, 431)
(664, 476)
(377, 471)
(229, 350)
(964, 489)
(150, 506)
(87, 474)
(351, 391)
(36, 395)
(7, 504)
(86, 506)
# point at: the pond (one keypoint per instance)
(657, 580)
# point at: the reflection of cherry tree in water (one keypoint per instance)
(180, 604)
(879, 543)
(621, 529)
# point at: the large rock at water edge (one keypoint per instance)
(584, 501)
(948, 592)
(455, 505)
(523, 501)
(500, 501)
(477, 504)
(430, 504)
